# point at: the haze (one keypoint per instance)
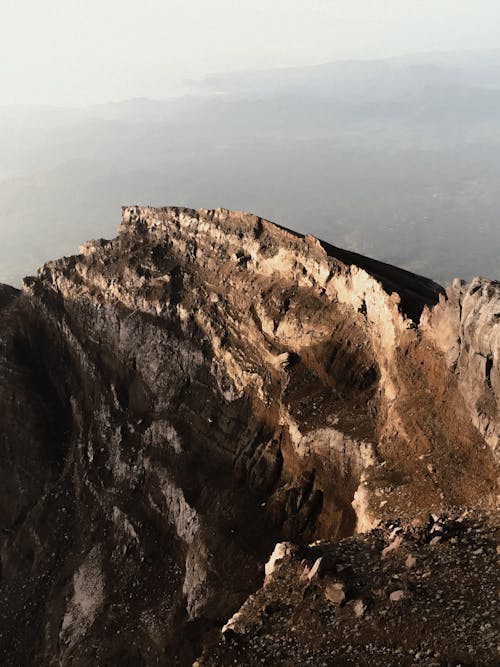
(310, 114)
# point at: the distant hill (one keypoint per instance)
(398, 159)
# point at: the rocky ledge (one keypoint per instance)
(176, 402)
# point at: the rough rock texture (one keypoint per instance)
(399, 595)
(179, 400)
(465, 327)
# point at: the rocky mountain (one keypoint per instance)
(223, 442)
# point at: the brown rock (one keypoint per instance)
(315, 569)
(411, 562)
(393, 546)
(397, 596)
(335, 593)
(176, 401)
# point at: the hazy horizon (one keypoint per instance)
(196, 85)
(69, 53)
(374, 128)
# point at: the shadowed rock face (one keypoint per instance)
(176, 401)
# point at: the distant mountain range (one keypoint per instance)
(396, 158)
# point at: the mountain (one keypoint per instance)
(224, 441)
(397, 159)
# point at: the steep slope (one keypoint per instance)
(205, 386)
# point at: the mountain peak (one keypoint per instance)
(183, 398)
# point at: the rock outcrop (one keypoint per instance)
(179, 400)
(465, 327)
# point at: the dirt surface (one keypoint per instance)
(399, 595)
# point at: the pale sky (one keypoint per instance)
(77, 52)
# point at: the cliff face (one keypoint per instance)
(465, 328)
(180, 399)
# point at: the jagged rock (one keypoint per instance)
(465, 326)
(314, 571)
(393, 546)
(177, 401)
(281, 551)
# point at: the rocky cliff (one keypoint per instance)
(176, 402)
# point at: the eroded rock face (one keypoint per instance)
(205, 386)
(465, 327)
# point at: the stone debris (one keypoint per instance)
(280, 551)
(393, 546)
(359, 608)
(335, 593)
(437, 612)
(315, 569)
(411, 562)
(397, 596)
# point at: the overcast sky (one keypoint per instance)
(89, 51)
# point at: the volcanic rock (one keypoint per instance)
(177, 401)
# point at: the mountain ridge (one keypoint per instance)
(179, 400)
